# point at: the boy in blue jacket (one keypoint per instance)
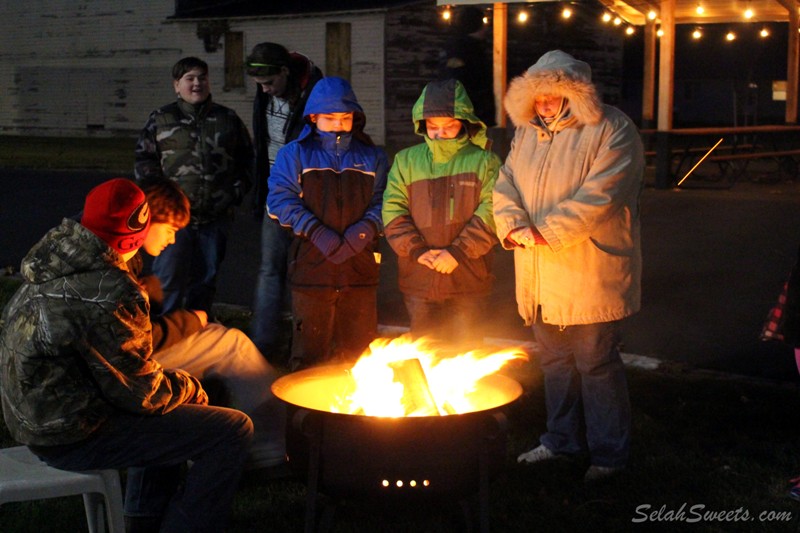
(327, 186)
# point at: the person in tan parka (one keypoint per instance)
(567, 202)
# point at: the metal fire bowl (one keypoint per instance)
(353, 455)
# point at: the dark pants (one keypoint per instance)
(330, 323)
(154, 448)
(586, 391)
(189, 268)
(455, 320)
(271, 292)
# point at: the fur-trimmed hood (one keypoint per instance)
(555, 73)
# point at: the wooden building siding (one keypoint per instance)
(99, 67)
(414, 37)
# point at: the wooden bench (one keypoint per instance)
(742, 144)
(753, 155)
(694, 150)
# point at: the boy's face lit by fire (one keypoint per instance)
(161, 235)
(333, 122)
(442, 127)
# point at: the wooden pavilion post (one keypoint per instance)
(793, 65)
(649, 81)
(666, 86)
(500, 53)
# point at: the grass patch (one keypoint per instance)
(113, 154)
(701, 444)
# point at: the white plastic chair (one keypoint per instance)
(24, 477)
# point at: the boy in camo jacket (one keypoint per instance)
(205, 148)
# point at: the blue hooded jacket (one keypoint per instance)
(324, 184)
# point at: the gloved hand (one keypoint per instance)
(359, 235)
(325, 239)
(342, 254)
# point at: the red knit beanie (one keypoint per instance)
(117, 212)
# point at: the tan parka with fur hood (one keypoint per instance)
(578, 183)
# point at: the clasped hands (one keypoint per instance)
(522, 237)
(338, 249)
(439, 260)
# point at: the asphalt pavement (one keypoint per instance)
(715, 259)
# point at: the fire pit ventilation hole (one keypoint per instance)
(400, 483)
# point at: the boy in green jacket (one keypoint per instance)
(437, 213)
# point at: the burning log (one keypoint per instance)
(417, 395)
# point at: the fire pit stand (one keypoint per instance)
(393, 461)
(332, 477)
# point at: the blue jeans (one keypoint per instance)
(154, 448)
(188, 269)
(271, 294)
(456, 320)
(586, 391)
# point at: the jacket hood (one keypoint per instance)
(448, 98)
(334, 95)
(302, 68)
(65, 250)
(559, 74)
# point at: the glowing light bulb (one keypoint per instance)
(730, 36)
(606, 17)
(629, 30)
(485, 20)
(764, 32)
(652, 15)
(659, 32)
(700, 9)
(617, 21)
(446, 14)
(748, 13)
(696, 34)
(522, 16)
(566, 13)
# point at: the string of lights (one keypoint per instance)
(522, 14)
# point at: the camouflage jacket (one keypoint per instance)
(206, 149)
(75, 346)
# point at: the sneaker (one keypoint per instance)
(596, 473)
(537, 455)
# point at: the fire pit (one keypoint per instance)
(446, 443)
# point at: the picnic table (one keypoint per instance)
(724, 152)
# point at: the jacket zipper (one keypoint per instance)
(452, 200)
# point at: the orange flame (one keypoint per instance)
(451, 381)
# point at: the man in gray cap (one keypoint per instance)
(283, 83)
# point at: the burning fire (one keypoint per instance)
(400, 377)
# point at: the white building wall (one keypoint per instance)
(78, 67)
